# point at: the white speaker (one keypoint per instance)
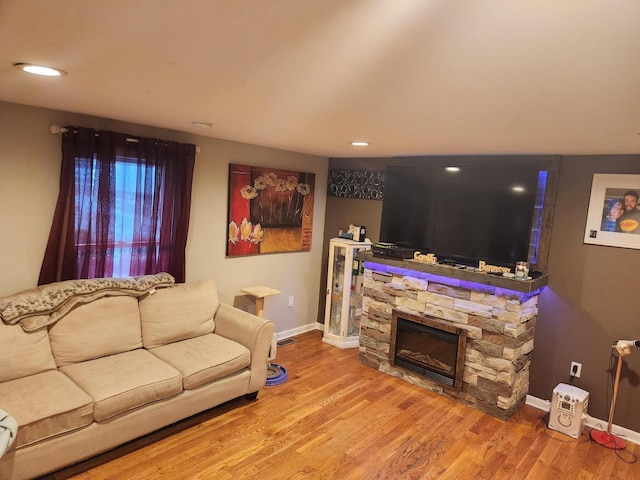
(568, 410)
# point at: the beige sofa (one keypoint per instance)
(102, 368)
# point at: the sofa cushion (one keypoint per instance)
(104, 327)
(124, 381)
(205, 358)
(44, 405)
(176, 313)
(23, 353)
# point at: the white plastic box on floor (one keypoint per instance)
(568, 412)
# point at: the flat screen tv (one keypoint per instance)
(477, 210)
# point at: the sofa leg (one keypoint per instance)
(251, 396)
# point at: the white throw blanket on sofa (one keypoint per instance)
(8, 431)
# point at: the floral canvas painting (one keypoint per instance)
(270, 210)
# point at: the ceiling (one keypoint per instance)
(412, 77)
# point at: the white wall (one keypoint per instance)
(29, 181)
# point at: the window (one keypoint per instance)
(123, 208)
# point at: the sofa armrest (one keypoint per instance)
(253, 332)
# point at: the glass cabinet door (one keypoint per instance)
(355, 296)
(337, 289)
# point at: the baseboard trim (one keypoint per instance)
(298, 330)
(625, 433)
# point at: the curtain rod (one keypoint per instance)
(57, 129)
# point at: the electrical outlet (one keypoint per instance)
(291, 301)
(576, 369)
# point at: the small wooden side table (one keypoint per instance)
(259, 293)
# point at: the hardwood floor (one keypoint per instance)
(336, 419)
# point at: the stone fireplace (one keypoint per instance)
(492, 319)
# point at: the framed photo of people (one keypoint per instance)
(613, 218)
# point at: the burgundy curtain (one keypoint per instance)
(85, 241)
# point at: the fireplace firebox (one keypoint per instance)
(429, 347)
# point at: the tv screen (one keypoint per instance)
(479, 211)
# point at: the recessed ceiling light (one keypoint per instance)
(517, 188)
(40, 69)
(452, 169)
(360, 144)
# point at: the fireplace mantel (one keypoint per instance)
(497, 313)
(525, 286)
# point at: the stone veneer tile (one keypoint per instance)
(487, 324)
(472, 308)
(487, 348)
(517, 403)
(379, 316)
(377, 330)
(499, 365)
(446, 290)
(436, 299)
(522, 363)
(409, 303)
(528, 314)
(483, 372)
(399, 290)
(369, 342)
(381, 276)
(472, 332)
(423, 383)
(377, 295)
(367, 361)
(504, 316)
(445, 313)
(371, 302)
(496, 387)
(469, 377)
(528, 347)
(483, 396)
(501, 340)
(473, 286)
(517, 330)
(489, 300)
(415, 283)
(511, 353)
(506, 378)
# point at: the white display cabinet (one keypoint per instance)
(344, 293)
